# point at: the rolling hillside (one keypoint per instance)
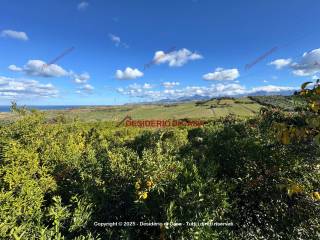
(243, 107)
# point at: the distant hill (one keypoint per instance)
(198, 97)
(185, 99)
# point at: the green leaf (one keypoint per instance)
(303, 86)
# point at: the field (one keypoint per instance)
(213, 109)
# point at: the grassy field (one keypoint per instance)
(243, 107)
(212, 109)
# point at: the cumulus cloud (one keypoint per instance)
(170, 84)
(81, 78)
(308, 65)
(214, 90)
(14, 34)
(221, 74)
(85, 89)
(40, 68)
(128, 73)
(281, 63)
(135, 88)
(83, 6)
(12, 88)
(175, 58)
(14, 68)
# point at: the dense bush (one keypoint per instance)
(58, 179)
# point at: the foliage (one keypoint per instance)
(58, 179)
(285, 103)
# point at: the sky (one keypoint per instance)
(97, 52)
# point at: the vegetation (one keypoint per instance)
(286, 103)
(211, 109)
(61, 179)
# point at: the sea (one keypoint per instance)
(47, 107)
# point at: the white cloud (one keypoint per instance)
(169, 91)
(281, 63)
(271, 88)
(135, 88)
(41, 69)
(220, 74)
(214, 90)
(83, 6)
(170, 84)
(302, 73)
(120, 90)
(14, 68)
(14, 34)
(175, 58)
(81, 78)
(85, 89)
(12, 88)
(147, 86)
(117, 41)
(128, 73)
(308, 65)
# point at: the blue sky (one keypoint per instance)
(198, 47)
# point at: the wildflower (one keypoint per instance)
(143, 195)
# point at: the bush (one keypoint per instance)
(59, 179)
